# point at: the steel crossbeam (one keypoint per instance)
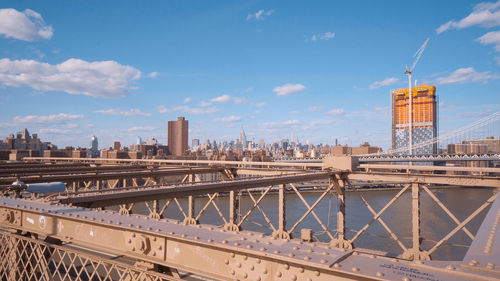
(123, 196)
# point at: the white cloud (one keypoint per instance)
(27, 25)
(40, 119)
(286, 123)
(260, 104)
(117, 111)
(327, 35)
(107, 79)
(314, 37)
(60, 118)
(467, 74)
(187, 109)
(484, 14)
(385, 82)
(294, 112)
(55, 131)
(490, 38)
(142, 128)
(289, 89)
(186, 100)
(232, 118)
(336, 111)
(222, 99)
(153, 74)
(259, 15)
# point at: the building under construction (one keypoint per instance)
(423, 122)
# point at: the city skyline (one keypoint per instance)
(324, 71)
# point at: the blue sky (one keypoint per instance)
(320, 69)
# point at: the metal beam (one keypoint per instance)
(456, 180)
(125, 196)
(115, 175)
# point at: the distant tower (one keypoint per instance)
(139, 140)
(178, 136)
(243, 138)
(94, 147)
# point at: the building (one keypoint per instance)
(243, 138)
(423, 124)
(195, 143)
(93, 148)
(178, 136)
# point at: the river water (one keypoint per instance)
(435, 223)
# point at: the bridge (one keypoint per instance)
(123, 219)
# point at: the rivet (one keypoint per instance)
(276, 251)
(238, 265)
(355, 269)
(245, 275)
(233, 255)
(236, 244)
(450, 267)
(309, 250)
(245, 258)
(232, 272)
(307, 258)
(261, 236)
(224, 241)
(316, 273)
(355, 253)
(286, 266)
(372, 256)
(252, 267)
(406, 279)
(262, 249)
(295, 248)
(291, 255)
(183, 235)
(196, 238)
(258, 278)
(265, 271)
(243, 238)
(210, 240)
(336, 265)
(394, 260)
(379, 274)
(325, 254)
(268, 243)
(226, 261)
(258, 261)
(473, 262)
(490, 265)
(323, 261)
(249, 246)
(278, 274)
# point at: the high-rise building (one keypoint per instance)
(243, 138)
(94, 147)
(117, 145)
(195, 143)
(178, 136)
(424, 119)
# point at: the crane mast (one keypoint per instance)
(409, 71)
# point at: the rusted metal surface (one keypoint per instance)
(209, 251)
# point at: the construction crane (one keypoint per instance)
(409, 71)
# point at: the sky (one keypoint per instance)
(317, 70)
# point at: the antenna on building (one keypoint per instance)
(409, 71)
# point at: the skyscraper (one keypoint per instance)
(94, 147)
(178, 136)
(243, 138)
(423, 122)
